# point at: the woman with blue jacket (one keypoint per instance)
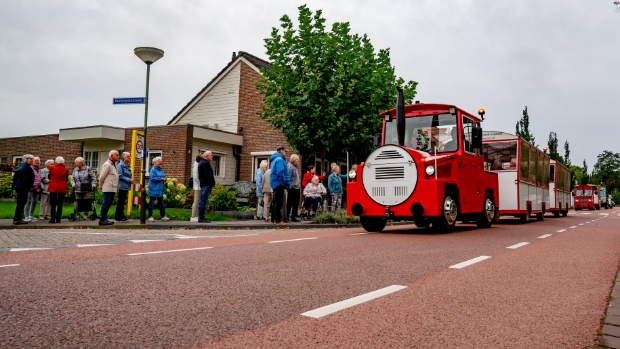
(335, 187)
(125, 179)
(157, 181)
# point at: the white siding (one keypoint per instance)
(221, 149)
(220, 105)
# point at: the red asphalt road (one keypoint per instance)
(245, 292)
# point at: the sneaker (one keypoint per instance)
(203, 220)
(20, 222)
(151, 219)
(105, 223)
(165, 219)
(124, 220)
(194, 220)
(41, 218)
(46, 217)
(27, 219)
(32, 219)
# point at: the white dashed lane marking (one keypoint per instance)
(360, 234)
(545, 236)
(469, 262)
(181, 250)
(561, 230)
(9, 265)
(19, 249)
(574, 226)
(278, 241)
(580, 223)
(347, 303)
(521, 244)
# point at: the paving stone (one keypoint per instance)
(615, 311)
(612, 320)
(615, 293)
(611, 330)
(609, 342)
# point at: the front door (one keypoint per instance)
(471, 170)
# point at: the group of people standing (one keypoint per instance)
(272, 184)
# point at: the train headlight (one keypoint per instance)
(430, 170)
(352, 174)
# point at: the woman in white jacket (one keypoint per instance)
(196, 189)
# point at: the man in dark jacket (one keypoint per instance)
(207, 181)
(23, 179)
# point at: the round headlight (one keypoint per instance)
(352, 174)
(430, 170)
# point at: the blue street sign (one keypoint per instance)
(135, 100)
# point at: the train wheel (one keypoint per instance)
(449, 210)
(564, 213)
(373, 224)
(556, 213)
(422, 223)
(598, 207)
(540, 216)
(485, 219)
(526, 217)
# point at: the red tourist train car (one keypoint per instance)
(587, 197)
(559, 189)
(523, 174)
(429, 168)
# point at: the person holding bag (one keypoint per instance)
(83, 181)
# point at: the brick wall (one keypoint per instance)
(46, 147)
(258, 135)
(174, 141)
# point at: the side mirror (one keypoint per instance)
(377, 140)
(476, 137)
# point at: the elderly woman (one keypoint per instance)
(35, 191)
(157, 180)
(58, 188)
(312, 193)
(125, 179)
(83, 181)
(196, 188)
(22, 183)
(260, 175)
(267, 195)
(44, 209)
(335, 187)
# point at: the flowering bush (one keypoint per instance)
(6, 186)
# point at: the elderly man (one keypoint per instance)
(35, 191)
(292, 199)
(280, 181)
(108, 185)
(207, 181)
(83, 181)
(125, 179)
(260, 175)
(22, 183)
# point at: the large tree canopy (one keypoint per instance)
(325, 89)
(607, 170)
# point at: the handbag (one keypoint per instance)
(262, 202)
(191, 182)
(85, 187)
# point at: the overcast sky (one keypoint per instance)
(62, 62)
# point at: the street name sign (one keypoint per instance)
(134, 100)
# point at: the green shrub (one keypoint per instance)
(222, 199)
(6, 186)
(252, 198)
(339, 217)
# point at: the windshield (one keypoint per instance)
(424, 133)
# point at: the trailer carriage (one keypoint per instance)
(559, 189)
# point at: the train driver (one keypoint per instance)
(453, 144)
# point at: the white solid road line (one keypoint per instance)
(360, 233)
(469, 262)
(603, 214)
(520, 244)
(140, 241)
(19, 249)
(181, 250)
(586, 213)
(83, 233)
(93, 245)
(574, 226)
(545, 236)
(561, 230)
(9, 265)
(278, 241)
(347, 303)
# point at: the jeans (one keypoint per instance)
(278, 201)
(119, 214)
(105, 206)
(160, 205)
(31, 203)
(205, 193)
(44, 209)
(56, 200)
(21, 198)
(336, 202)
(314, 201)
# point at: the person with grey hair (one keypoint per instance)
(260, 175)
(45, 208)
(293, 193)
(83, 181)
(125, 179)
(35, 191)
(58, 188)
(157, 180)
(196, 187)
(22, 183)
(108, 185)
(207, 181)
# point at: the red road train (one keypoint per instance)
(429, 166)
(587, 197)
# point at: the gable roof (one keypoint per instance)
(258, 64)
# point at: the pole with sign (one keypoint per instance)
(137, 152)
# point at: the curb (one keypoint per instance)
(609, 334)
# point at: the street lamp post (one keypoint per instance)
(148, 55)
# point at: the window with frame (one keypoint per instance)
(4, 160)
(552, 174)
(152, 155)
(17, 160)
(217, 163)
(256, 160)
(468, 125)
(533, 158)
(91, 159)
(525, 161)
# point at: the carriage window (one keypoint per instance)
(552, 172)
(500, 156)
(533, 158)
(525, 160)
(540, 168)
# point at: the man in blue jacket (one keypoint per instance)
(207, 181)
(23, 179)
(280, 180)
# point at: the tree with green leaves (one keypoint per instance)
(566, 153)
(607, 170)
(585, 177)
(552, 143)
(325, 88)
(523, 128)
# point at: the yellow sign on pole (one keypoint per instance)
(137, 152)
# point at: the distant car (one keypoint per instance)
(611, 203)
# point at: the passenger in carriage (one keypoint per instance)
(453, 144)
(513, 164)
(497, 164)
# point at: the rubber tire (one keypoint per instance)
(598, 207)
(425, 223)
(540, 216)
(556, 214)
(483, 220)
(440, 224)
(373, 224)
(564, 213)
(525, 218)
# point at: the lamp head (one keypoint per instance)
(148, 55)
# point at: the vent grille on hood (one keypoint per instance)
(397, 172)
(389, 154)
